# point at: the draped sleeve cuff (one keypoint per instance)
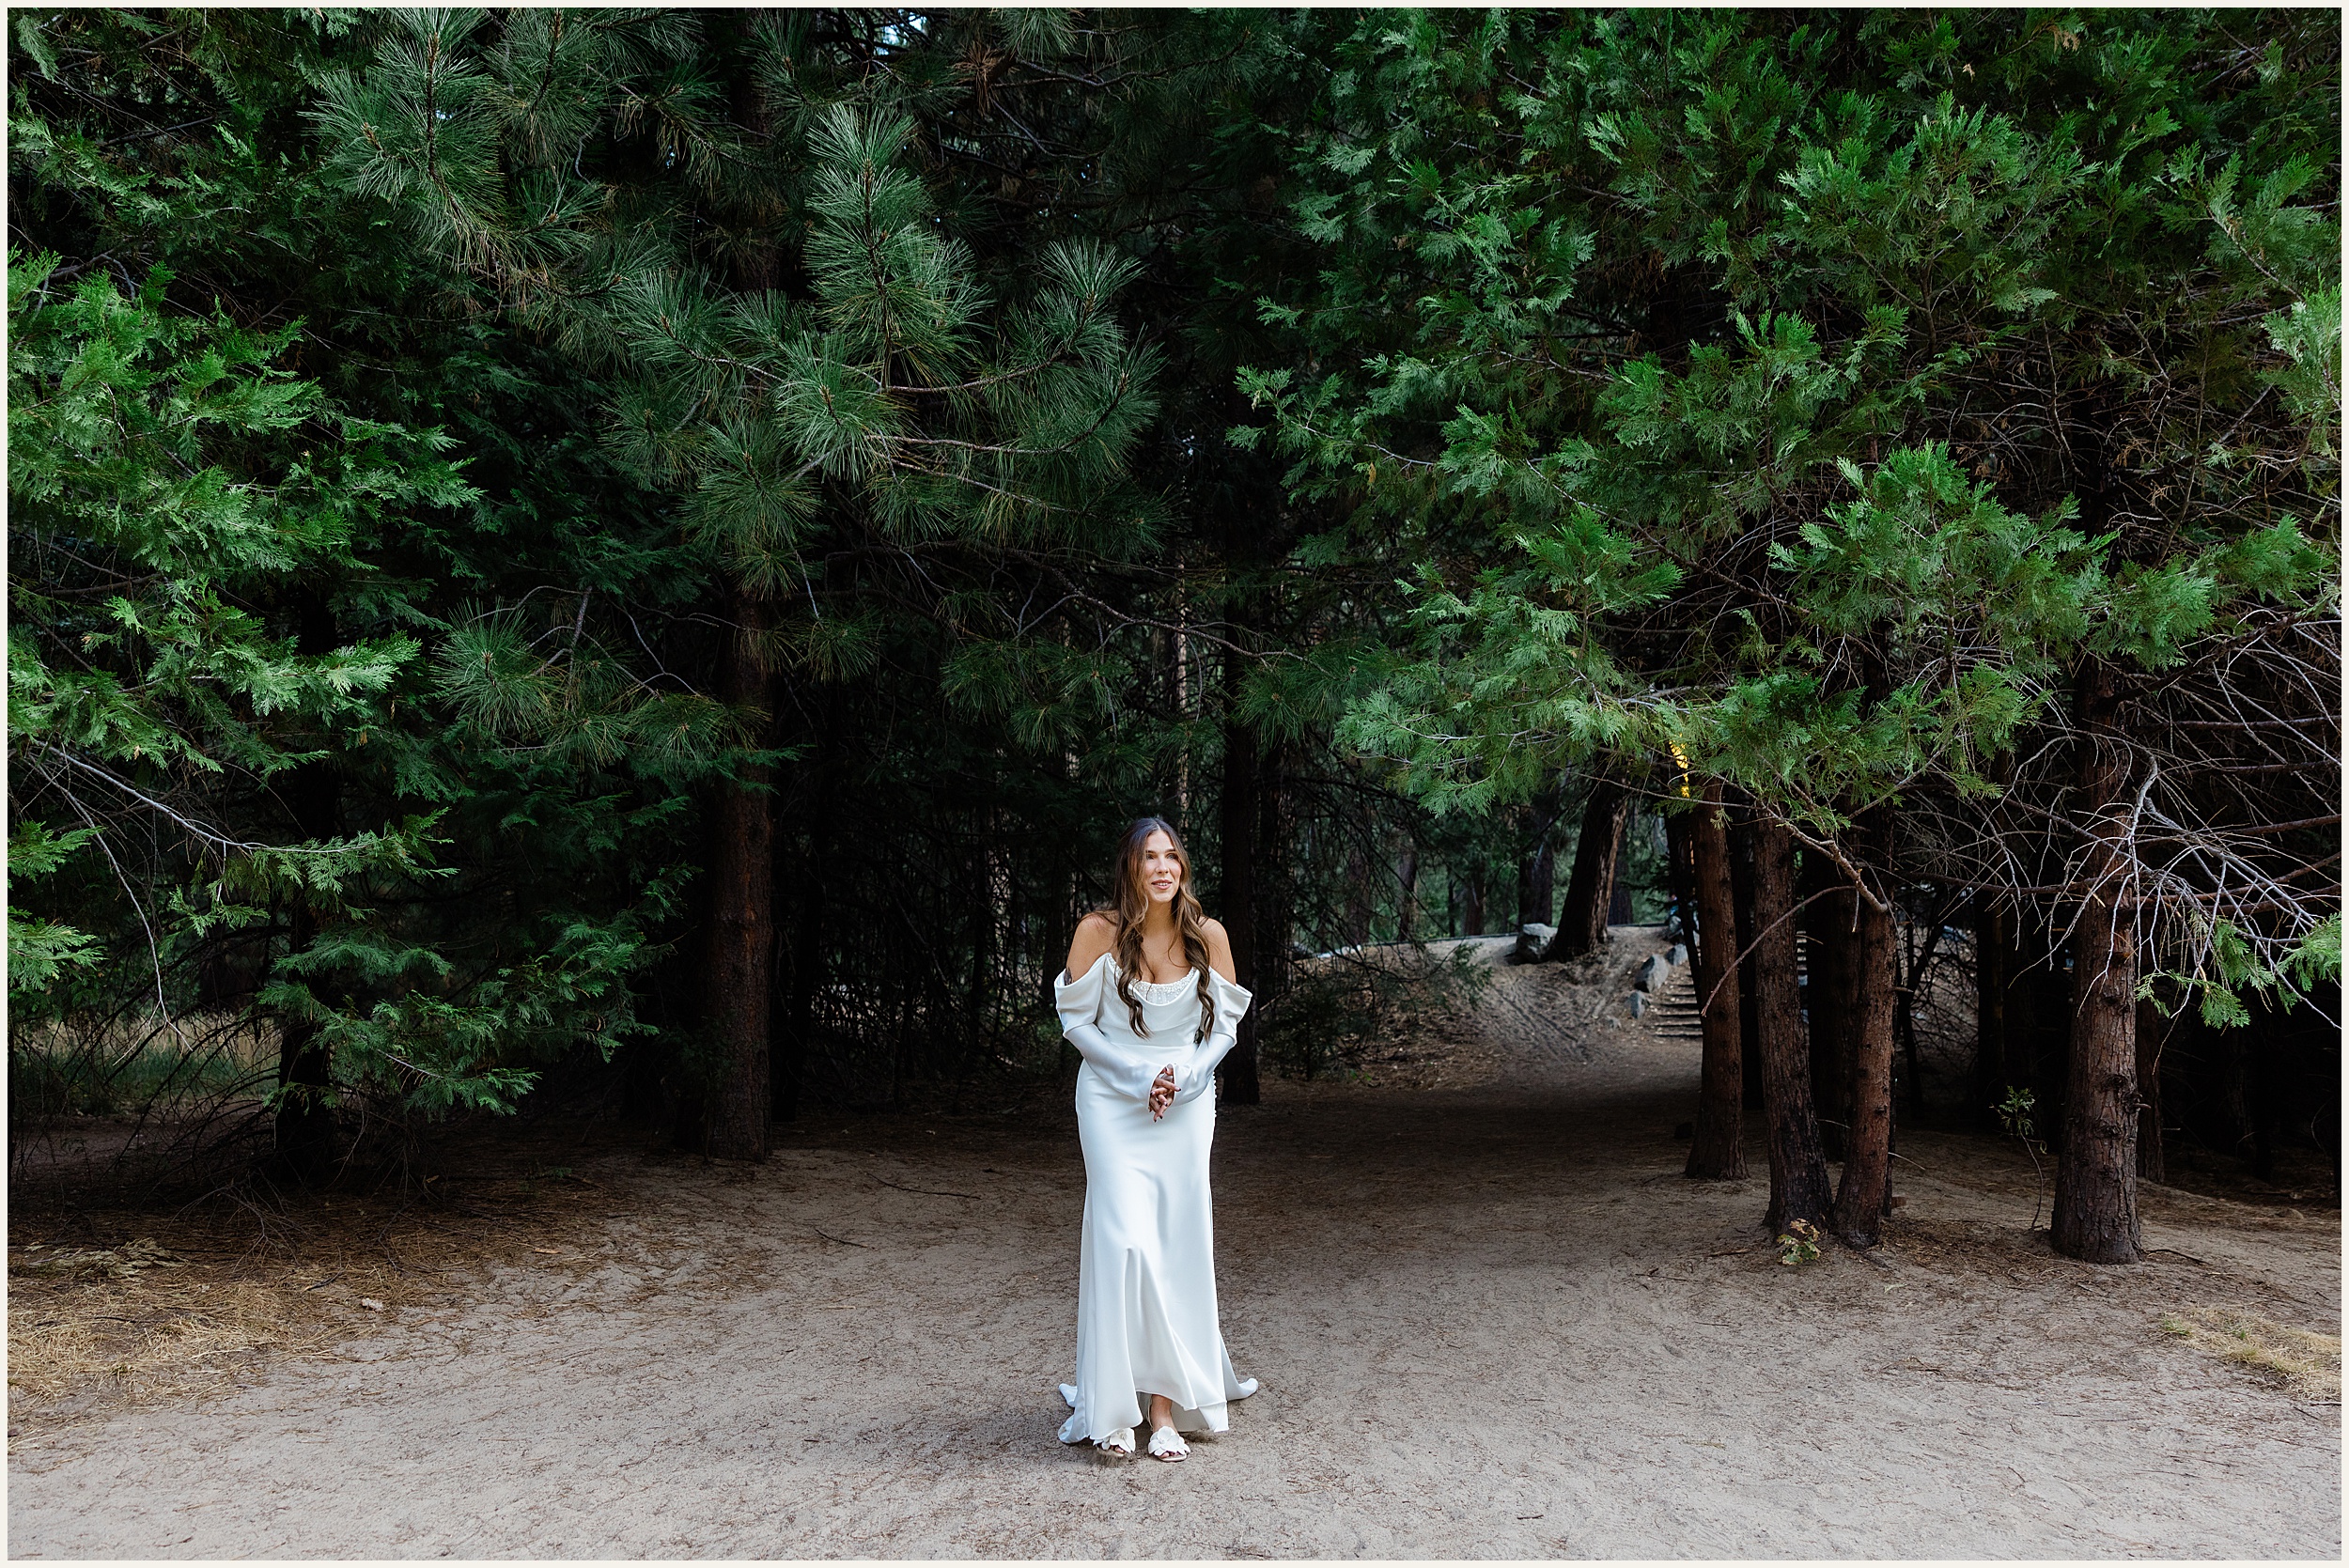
(1078, 1003)
(1232, 1001)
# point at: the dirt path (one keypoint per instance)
(1491, 1319)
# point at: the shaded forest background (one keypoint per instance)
(648, 555)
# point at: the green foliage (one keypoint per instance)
(157, 514)
(1843, 389)
(894, 381)
(1799, 1244)
(2015, 1113)
(2017, 1116)
(451, 448)
(2234, 965)
(148, 519)
(240, 773)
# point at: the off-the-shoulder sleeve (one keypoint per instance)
(1079, 1001)
(1231, 1002)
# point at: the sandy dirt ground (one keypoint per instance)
(1491, 1318)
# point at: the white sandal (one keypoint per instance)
(1167, 1444)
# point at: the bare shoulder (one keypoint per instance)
(1096, 934)
(1219, 950)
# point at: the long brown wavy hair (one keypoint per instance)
(1133, 902)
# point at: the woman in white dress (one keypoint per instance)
(1150, 1001)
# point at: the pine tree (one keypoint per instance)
(886, 403)
(311, 778)
(1769, 499)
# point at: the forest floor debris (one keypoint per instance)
(228, 1288)
(2305, 1364)
(1491, 1318)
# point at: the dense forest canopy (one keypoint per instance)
(661, 546)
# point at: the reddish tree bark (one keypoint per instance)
(1718, 1152)
(739, 973)
(1865, 1194)
(1749, 998)
(1619, 895)
(1591, 885)
(1798, 1184)
(1680, 868)
(2095, 1182)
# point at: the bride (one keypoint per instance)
(1150, 1001)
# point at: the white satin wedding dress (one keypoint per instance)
(1146, 1320)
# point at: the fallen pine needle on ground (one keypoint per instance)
(2304, 1363)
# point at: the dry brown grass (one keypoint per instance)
(2305, 1364)
(108, 1309)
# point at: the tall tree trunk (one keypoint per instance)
(1591, 885)
(1472, 902)
(739, 976)
(1829, 920)
(1865, 1195)
(307, 1141)
(2095, 1182)
(1680, 872)
(1749, 976)
(1718, 1152)
(1619, 894)
(740, 962)
(1993, 944)
(1798, 1184)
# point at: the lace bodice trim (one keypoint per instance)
(1160, 994)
